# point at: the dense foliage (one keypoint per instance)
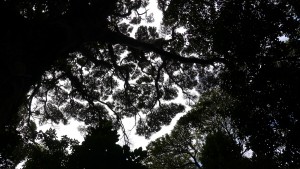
(99, 150)
(206, 137)
(96, 60)
(259, 41)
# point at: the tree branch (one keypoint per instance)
(119, 38)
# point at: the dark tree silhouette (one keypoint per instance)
(262, 71)
(50, 153)
(66, 59)
(98, 150)
(221, 151)
(204, 138)
(44, 43)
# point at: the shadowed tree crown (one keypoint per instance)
(93, 60)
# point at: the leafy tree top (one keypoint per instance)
(98, 150)
(76, 59)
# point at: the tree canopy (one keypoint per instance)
(204, 138)
(98, 150)
(95, 60)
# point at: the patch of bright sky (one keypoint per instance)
(71, 129)
(283, 38)
(157, 14)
